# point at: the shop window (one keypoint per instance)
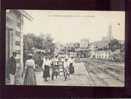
(18, 34)
(19, 25)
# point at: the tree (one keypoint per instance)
(38, 42)
(114, 45)
(28, 41)
(42, 41)
(118, 50)
(48, 44)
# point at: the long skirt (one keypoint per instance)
(46, 72)
(30, 78)
(55, 72)
(71, 68)
(66, 72)
(12, 79)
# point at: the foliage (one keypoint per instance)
(43, 42)
(118, 50)
(114, 45)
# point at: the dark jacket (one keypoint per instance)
(12, 65)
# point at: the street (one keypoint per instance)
(90, 73)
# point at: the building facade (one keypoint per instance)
(14, 36)
(84, 43)
(83, 50)
(103, 54)
(101, 49)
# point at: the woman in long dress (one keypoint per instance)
(30, 78)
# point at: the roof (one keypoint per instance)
(100, 44)
(26, 15)
(82, 49)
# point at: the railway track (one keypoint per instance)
(113, 70)
(114, 73)
(96, 68)
(93, 75)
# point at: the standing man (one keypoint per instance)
(66, 69)
(54, 67)
(12, 68)
(71, 65)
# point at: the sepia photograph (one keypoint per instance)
(65, 48)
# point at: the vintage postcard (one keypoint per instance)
(65, 48)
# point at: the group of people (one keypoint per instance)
(52, 68)
(28, 75)
(57, 66)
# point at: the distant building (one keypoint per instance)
(59, 49)
(83, 50)
(84, 43)
(70, 49)
(103, 54)
(101, 49)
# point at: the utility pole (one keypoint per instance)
(109, 39)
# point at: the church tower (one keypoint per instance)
(110, 33)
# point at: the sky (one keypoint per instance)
(72, 26)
